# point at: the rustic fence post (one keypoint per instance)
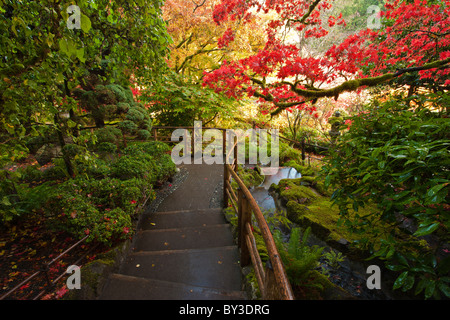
(235, 150)
(303, 149)
(271, 289)
(226, 173)
(244, 217)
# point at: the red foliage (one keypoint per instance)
(416, 33)
(419, 33)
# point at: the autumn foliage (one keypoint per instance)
(414, 37)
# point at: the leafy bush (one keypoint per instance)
(30, 174)
(143, 134)
(106, 147)
(153, 148)
(100, 200)
(128, 126)
(128, 166)
(298, 257)
(397, 157)
(71, 150)
(134, 115)
(100, 208)
(108, 134)
(56, 172)
(17, 199)
(164, 167)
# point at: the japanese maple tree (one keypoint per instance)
(414, 40)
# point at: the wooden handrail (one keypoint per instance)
(272, 280)
(281, 288)
(44, 270)
(282, 282)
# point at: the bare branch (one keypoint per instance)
(197, 5)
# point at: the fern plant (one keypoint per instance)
(298, 257)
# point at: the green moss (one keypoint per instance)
(292, 190)
(308, 208)
(295, 211)
(250, 177)
(288, 154)
(333, 120)
(304, 170)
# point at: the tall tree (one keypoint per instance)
(196, 47)
(48, 48)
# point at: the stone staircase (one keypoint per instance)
(180, 255)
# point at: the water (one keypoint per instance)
(350, 275)
(272, 175)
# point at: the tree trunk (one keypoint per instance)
(62, 143)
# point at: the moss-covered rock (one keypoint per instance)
(250, 177)
(293, 190)
(308, 207)
(303, 170)
(95, 273)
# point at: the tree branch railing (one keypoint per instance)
(272, 279)
(45, 271)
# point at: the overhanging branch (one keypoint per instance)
(313, 94)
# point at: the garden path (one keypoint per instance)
(184, 250)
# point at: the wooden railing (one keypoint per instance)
(45, 272)
(272, 279)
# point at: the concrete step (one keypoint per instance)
(204, 236)
(209, 267)
(123, 287)
(182, 218)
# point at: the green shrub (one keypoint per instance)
(123, 107)
(298, 257)
(128, 126)
(152, 148)
(397, 157)
(57, 171)
(106, 147)
(71, 150)
(30, 174)
(95, 207)
(134, 115)
(143, 134)
(164, 167)
(108, 134)
(128, 166)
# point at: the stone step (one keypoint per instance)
(182, 218)
(204, 236)
(209, 267)
(124, 287)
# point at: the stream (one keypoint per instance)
(349, 274)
